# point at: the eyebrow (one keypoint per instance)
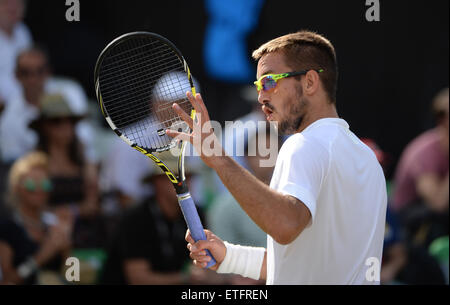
(266, 72)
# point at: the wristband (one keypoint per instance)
(243, 260)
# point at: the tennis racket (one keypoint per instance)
(138, 76)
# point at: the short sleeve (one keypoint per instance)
(301, 169)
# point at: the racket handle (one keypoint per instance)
(193, 221)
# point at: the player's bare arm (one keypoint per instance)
(257, 199)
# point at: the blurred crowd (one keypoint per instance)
(70, 188)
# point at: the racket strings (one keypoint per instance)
(140, 79)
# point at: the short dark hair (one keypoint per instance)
(440, 105)
(36, 48)
(306, 50)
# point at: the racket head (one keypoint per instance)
(138, 76)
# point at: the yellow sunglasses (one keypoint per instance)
(269, 81)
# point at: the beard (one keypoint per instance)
(296, 114)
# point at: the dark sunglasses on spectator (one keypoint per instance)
(60, 120)
(27, 72)
(32, 185)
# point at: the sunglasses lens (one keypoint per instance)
(46, 185)
(29, 185)
(268, 83)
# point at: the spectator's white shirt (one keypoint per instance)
(123, 170)
(341, 182)
(10, 47)
(16, 138)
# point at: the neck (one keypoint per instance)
(325, 110)
(8, 30)
(32, 98)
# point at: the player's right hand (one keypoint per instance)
(197, 250)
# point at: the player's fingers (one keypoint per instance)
(179, 135)
(209, 234)
(188, 237)
(202, 245)
(183, 115)
(194, 102)
(201, 105)
(200, 258)
(200, 264)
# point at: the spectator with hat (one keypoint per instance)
(74, 178)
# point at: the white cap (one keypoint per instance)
(173, 86)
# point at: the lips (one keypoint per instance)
(268, 111)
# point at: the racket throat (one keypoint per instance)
(181, 188)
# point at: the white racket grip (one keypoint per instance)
(193, 221)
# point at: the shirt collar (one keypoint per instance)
(327, 121)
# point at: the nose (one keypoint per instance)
(262, 97)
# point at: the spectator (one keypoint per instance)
(74, 178)
(16, 138)
(421, 193)
(34, 74)
(406, 263)
(402, 262)
(148, 246)
(122, 171)
(14, 37)
(225, 217)
(31, 239)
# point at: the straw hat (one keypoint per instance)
(54, 106)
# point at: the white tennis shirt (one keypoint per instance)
(341, 182)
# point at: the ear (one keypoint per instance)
(312, 82)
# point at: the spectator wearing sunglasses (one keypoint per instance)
(74, 178)
(33, 72)
(31, 240)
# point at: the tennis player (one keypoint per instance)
(324, 212)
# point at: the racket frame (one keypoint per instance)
(178, 181)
